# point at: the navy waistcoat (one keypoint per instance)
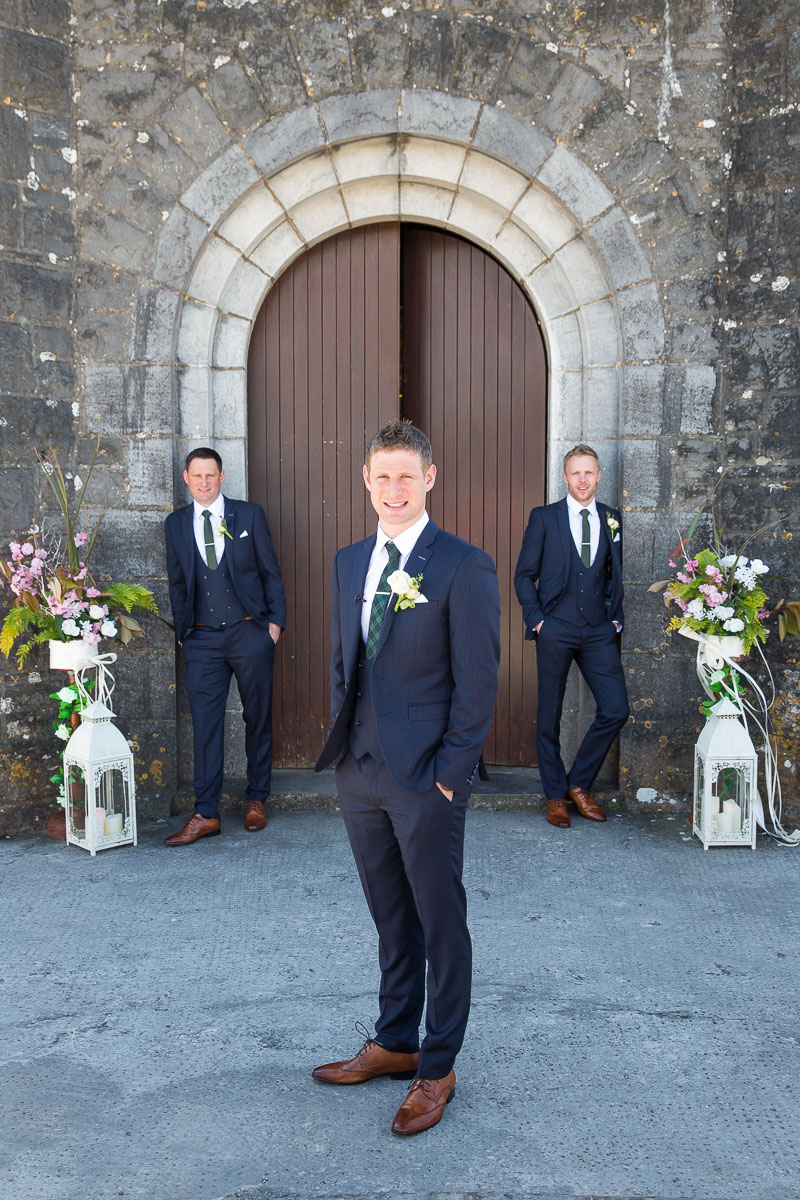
(215, 599)
(583, 600)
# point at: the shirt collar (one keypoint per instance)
(406, 540)
(216, 508)
(577, 508)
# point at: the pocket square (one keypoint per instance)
(616, 537)
(244, 533)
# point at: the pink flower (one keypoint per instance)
(81, 575)
(26, 548)
(762, 614)
(672, 564)
(36, 566)
(39, 552)
(93, 592)
(713, 597)
(16, 551)
(691, 564)
(81, 538)
(683, 578)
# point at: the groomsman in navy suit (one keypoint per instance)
(569, 583)
(413, 686)
(229, 608)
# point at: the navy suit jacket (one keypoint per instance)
(543, 564)
(434, 675)
(251, 561)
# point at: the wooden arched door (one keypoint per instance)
(376, 322)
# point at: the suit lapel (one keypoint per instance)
(189, 543)
(418, 560)
(352, 607)
(229, 517)
(565, 533)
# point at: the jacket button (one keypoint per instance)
(359, 694)
(358, 722)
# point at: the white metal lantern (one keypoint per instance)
(99, 786)
(725, 772)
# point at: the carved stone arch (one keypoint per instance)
(425, 157)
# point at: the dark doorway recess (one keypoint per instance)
(378, 321)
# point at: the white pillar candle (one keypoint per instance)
(730, 806)
(99, 820)
(113, 823)
(724, 823)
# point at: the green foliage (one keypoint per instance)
(129, 596)
(18, 621)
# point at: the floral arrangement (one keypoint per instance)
(56, 597)
(719, 593)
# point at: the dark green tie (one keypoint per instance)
(381, 599)
(586, 540)
(208, 538)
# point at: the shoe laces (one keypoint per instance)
(369, 1040)
(423, 1085)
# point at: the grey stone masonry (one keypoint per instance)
(633, 167)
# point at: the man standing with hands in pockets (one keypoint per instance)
(569, 583)
(416, 648)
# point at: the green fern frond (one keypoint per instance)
(44, 635)
(130, 596)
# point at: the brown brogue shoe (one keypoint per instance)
(585, 804)
(424, 1105)
(198, 827)
(557, 813)
(255, 818)
(372, 1060)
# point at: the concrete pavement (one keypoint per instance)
(633, 1032)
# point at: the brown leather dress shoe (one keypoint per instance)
(372, 1060)
(557, 813)
(424, 1105)
(585, 804)
(255, 817)
(197, 827)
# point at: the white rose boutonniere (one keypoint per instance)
(406, 589)
(613, 523)
(222, 530)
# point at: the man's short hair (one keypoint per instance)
(401, 435)
(203, 452)
(578, 452)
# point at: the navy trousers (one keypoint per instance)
(409, 850)
(212, 656)
(595, 649)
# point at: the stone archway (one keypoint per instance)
(430, 157)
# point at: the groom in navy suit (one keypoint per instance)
(229, 608)
(569, 583)
(416, 647)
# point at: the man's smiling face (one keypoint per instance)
(398, 484)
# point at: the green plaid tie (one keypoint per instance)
(208, 538)
(586, 540)
(381, 599)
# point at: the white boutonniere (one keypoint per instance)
(406, 589)
(222, 530)
(612, 522)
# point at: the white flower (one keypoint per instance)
(759, 567)
(96, 612)
(746, 577)
(66, 695)
(735, 625)
(64, 732)
(70, 628)
(730, 559)
(399, 582)
(724, 612)
(695, 609)
(108, 629)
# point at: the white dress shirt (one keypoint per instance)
(217, 510)
(405, 543)
(575, 509)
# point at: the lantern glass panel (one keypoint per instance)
(75, 784)
(730, 785)
(112, 790)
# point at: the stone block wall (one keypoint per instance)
(111, 113)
